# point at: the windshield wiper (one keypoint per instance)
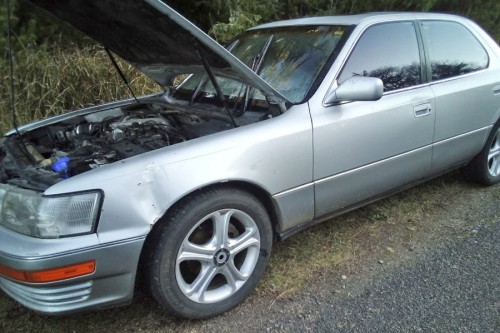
(256, 65)
(259, 59)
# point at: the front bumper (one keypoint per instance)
(111, 284)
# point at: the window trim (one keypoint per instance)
(335, 84)
(421, 51)
(328, 64)
(424, 57)
(427, 54)
(424, 54)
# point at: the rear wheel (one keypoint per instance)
(210, 252)
(485, 167)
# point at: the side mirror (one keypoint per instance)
(357, 88)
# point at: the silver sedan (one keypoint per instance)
(290, 124)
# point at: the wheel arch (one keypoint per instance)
(258, 192)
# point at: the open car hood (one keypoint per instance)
(154, 38)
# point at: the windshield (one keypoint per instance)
(288, 58)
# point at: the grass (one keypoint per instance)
(393, 224)
(49, 80)
(300, 258)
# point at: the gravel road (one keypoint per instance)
(453, 289)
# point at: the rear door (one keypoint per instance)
(464, 86)
(365, 149)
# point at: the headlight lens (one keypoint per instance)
(30, 213)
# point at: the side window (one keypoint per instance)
(388, 51)
(453, 49)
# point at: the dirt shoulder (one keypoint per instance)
(331, 261)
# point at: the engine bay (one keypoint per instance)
(44, 156)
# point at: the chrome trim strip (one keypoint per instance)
(462, 135)
(335, 85)
(319, 181)
(453, 78)
(289, 191)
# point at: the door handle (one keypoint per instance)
(422, 110)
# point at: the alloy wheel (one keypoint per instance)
(217, 256)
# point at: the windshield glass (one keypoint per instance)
(288, 58)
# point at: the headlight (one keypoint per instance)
(30, 213)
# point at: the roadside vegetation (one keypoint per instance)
(50, 80)
(58, 69)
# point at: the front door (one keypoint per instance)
(366, 149)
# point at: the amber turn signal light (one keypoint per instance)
(50, 275)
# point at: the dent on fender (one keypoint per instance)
(149, 196)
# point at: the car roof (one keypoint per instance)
(357, 19)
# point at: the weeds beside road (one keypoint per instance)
(49, 80)
(338, 258)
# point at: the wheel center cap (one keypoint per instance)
(221, 257)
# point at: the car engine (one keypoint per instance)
(42, 157)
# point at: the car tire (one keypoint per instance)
(485, 167)
(209, 253)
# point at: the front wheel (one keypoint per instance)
(209, 253)
(485, 167)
